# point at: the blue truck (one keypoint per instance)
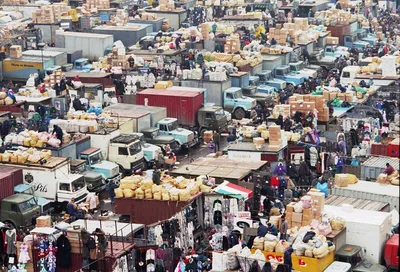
(283, 72)
(268, 83)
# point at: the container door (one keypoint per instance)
(184, 119)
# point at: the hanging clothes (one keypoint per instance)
(11, 238)
(313, 156)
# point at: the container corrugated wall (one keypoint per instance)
(7, 185)
(15, 172)
(374, 166)
(393, 201)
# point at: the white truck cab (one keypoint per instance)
(349, 74)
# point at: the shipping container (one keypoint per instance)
(72, 54)
(371, 191)
(128, 34)
(9, 178)
(136, 123)
(92, 45)
(48, 32)
(215, 89)
(393, 148)
(20, 69)
(156, 24)
(373, 166)
(357, 203)
(379, 149)
(60, 58)
(183, 105)
(362, 224)
(126, 110)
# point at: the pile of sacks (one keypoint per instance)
(23, 155)
(175, 189)
(75, 125)
(5, 99)
(270, 243)
(389, 179)
(36, 139)
(81, 115)
(237, 258)
(343, 180)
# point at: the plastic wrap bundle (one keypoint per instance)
(14, 158)
(321, 251)
(165, 196)
(341, 180)
(274, 220)
(309, 251)
(306, 202)
(269, 246)
(174, 193)
(128, 193)
(382, 179)
(193, 188)
(181, 182)
(352, 179)
(139, 193)
(148, 194)
(258, 243)
(45, 154)
(244, 260)
(298, 207)
(265, 134)
(232, 260)
(205, 188)
(157, 196)
(299, 249)
(127, 184)
(5, 157)
(259, 257)
(146, 184)
(156, 188)
(184, 195)
(338, 223)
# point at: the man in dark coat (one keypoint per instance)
(58, 131)
(216, 140)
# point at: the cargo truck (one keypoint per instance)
(123, 152)
(267, 80)
(151, 152)
(300, 68)
(283, 72)
(15, 209)
(51, 179)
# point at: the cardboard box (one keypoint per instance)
(290, 207)
(342, 96)
(307, 212)
(296, 224)
(43, 222)
(326, 95)
(349, 97)
(332, 95)
(297, 217)
(318, 198)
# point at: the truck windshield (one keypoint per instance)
(293, 67)
(173, 126)
(27, 205)
(135, 148)
(96, 158)
(238, 94)
(219, 113)
(78, 184)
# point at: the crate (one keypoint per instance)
(43, 222)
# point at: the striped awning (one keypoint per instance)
(229, 189)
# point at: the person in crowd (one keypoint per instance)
(72, 208)
(262, 230)
(283, 227)
(216, 140)
(110, 189)
(273, 42)
(156, 176)
(389, 169)
(271, 229)
(287, 258)
(231, 138)
(58, 132)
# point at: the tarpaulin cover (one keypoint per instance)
(233, 190)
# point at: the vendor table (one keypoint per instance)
(157, 23)
(32, 101)
(175, 17)
(147, 55)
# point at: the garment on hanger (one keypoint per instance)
(11, 238)
(63, 254)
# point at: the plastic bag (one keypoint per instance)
(128, 193)
(352, 179)
(148, 194)
(258, 243)
(118, 193)
(321, 252)
(382, 179)
(157, 196)
(306, 202)
(341, 180)
(139, 193)
(338, 223)
(146, 184)
(259, 256)
(232, 260)
(299, 249)
(184, 195)
(298, 207)
(269, 246)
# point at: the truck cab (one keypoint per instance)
(300, 68)
(170, 126)
(94, 181)
(44, 204)
(236, 102)
(283, 72)
(352, 254)
(363, 35)
(352, 41)
(150, 152)
(349, 74)
(153, 136)
(126, 151)
(336, 51)
(318, 57)
(269, 81)
(212, 118)
(95, 162)
(261, 98)
(82, 64)
(18, 210)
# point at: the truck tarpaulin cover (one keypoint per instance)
(156, 210)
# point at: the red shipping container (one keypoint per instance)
(379, 149)
(7, 183)
(16, 172)
(393, 148)
(392, 252)
(182, 105)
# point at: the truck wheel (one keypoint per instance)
(239, 114)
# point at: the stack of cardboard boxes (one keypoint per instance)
(204, 29)
(45, 15)
(308, 103)
(75, 239)
(348, 96)
(117, 60)
(148, 16)
(99, 4)
(43, 222)
(166, 5)
(281, 109)
(332, 40)
(305, 218)
(15, 51)
(277, 138)
(232, 44)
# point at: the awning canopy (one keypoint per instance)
(229, 189)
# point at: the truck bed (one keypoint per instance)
(358, 203)
(53, 162)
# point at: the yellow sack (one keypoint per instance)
(184, 195)
(205, 188)
(22, 158)
(155, 188)
(382, 179)
(139, 193)
(352, 179)
(5, 157)
(45, 154)
(128, 193)
(393, 175)
(269, 246)
(148, 194)
(165, 196)
(146, 184)
(27, 142)
(395, 181)
(265, 134)
(338, 223)
(341, 180)
(118, 193)
(157, 196)
(174, 193)
(281, 246)
(39, 143)
(14, 158)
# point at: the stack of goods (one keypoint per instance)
(16, 51)
(79, 125)
(389, 179)
(81, 115)
(301, 23)
(148, 16)
(232, 44)
(332, 40)
(30, 155)
(277, 138)
(36, 139)
(59, 9)
(371, 67)
(205, 30)
(99, 4)
(43, 221)
(5, 99)
(175, 189)
(53, 78)
(119, 19)
(15, 2)
(45, 15)
(343, 180)
(118, 60)
(344, 18)
(166, 5)
(308, 103)
(281, 109)
(75, 239)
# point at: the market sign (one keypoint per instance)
(12, 65)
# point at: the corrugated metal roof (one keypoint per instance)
(39, 53)
(381, 162)
(84, 35)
